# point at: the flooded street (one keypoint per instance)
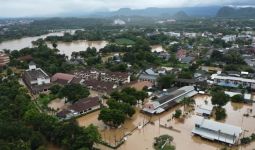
(142, 139)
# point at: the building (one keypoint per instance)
(169, 100)
(189, 35)
(181, 54)
(187, 60)
(115, 77)
(80, 107)
(106, 76)
(4, 59)
(217, 131)
(62, 78)
(151, 75)
(232, 81)
(36, 79)
(100, 86)
(229, 38)
(210, 69)
(204, 110)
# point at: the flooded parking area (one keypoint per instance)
(142, 139)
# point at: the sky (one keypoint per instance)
(50, 8)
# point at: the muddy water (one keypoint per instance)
(157, 48)
(64, 47)
(18, 44)
(76, 46)
(183, 140)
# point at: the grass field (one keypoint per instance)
(124, 41)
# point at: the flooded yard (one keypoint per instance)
(142, 139)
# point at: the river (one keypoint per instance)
(64, 47)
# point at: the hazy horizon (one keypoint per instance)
(55, 8)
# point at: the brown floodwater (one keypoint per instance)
(157, 48)
(64, 47)
(142, 139)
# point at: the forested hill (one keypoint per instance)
(232, 12)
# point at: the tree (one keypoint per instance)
(112, 117)
(74, 92)
(55, 89)
(165, 82)
(187, 101)
(219, 98)
(237, 98)
(163, 142)
(177, 113)
(220, 113)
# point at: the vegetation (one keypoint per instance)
(116, 114)
(22, 126)
(163, 142)
(247, 140)
(220, 99)
(124, 41)
(165, 82)
(220, 113)
(177, 113)
(74, 92)
(237, 98)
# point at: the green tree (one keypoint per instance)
(165, 82)
(219, 98)
(74, 92)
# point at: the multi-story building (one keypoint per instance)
(36, 79)
(106, 76)
(232, 81)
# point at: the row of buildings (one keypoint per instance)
(103, 81)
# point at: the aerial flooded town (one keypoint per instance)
(105, 75)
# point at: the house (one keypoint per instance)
(187, 60)
(169, 100)
(204, 110)
(181, 54)
(36, 79)
(151, 75)
(62, 78)
(246, 96)
(116, 77)
(100, 86)
(4, 59)
(80, 107)
(232, 81)
(210, 69)
(229, 38)
(189, 35)
(217, 131)
(104, 75)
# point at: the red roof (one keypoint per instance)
(62, 76)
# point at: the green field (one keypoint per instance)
(124, 41)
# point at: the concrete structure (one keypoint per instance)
(204, 110)
(4, 59)
(169, 100)
(80, 107)
(229, 38)
(217, 131)
(232, 81)
(36, 79)
(151, 75)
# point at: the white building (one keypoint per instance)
(119, 22)
(173, 34)
(189, 35)
(217, 131)
(169, 100)
(229, 38)
(230, 81)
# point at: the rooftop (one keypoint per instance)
(35, 74)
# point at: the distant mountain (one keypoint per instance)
(180, 15)
(209, 11)
(236, 12)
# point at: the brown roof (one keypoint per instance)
(85, 103)
(62, 76)
(99, 85)
(26, 58)
(76, 80)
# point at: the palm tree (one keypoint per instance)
(187, 101)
